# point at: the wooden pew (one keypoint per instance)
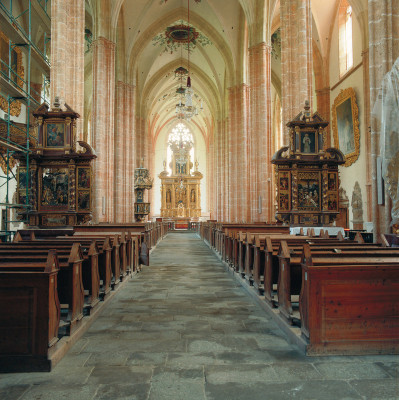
(30, 314)
(70, 286)
(350, 306)
(104, 257)
(90, 265)
(290, 271)
(271, 249)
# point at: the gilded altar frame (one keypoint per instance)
(345, 125)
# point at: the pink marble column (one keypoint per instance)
(260, 137)
(103, 128)
(296, 57)
(384, 50)
(67, 55)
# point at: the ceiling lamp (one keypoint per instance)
(181, 142)
(180, 72)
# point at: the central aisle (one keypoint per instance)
(184, 329)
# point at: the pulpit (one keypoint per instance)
(307, 173)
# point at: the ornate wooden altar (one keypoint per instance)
(181, 195)
(307, 173)
(59, 185)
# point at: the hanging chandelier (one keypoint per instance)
(181, 142)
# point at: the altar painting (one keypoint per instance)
(308, 194)
(55, 187)
(55, 135)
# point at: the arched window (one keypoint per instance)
(345, 37)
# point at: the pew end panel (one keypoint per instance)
(30, 318)
(350, 309)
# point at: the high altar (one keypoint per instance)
(181, 196)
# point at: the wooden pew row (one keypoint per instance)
(29, 329)
(103, 246)
(290, 271)
(134, 245)
(118, 253)
(266, 259)
(90, 265)
(254, 251)
(349, 307)
(130, 247)
(69, 277)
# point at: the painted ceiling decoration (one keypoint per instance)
(180, 34)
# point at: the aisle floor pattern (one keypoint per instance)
(184, 328)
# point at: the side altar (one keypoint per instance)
(55, 181)
(307, 173)
(180, 191)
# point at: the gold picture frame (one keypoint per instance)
(345, 125)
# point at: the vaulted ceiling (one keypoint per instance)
(228, 27)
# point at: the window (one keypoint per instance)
(345, 37)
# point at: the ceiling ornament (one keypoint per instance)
(181, 142)
(180, 34)
(180, 72)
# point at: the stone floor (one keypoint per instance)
(185, 329)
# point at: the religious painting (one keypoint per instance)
(308, 142)
(181, 168)
(332, 181)
(83, 178)
(54, 220)
(345, 124)
(332, 202)
(55, 187)
(283, 203)
(308, 192)
(24, 182)
(192, 196)
(284, 183)
(168, 196)
(83, 201)
(55, 135)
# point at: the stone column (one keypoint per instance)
(103, 128)
(296, 57)
(124, 153)
(120, 152)
(131, 161)
(67, 55)
(219, 166)
(225, 170)
(233, 168)
(260, 146)
(242, 155)
(384, 50)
